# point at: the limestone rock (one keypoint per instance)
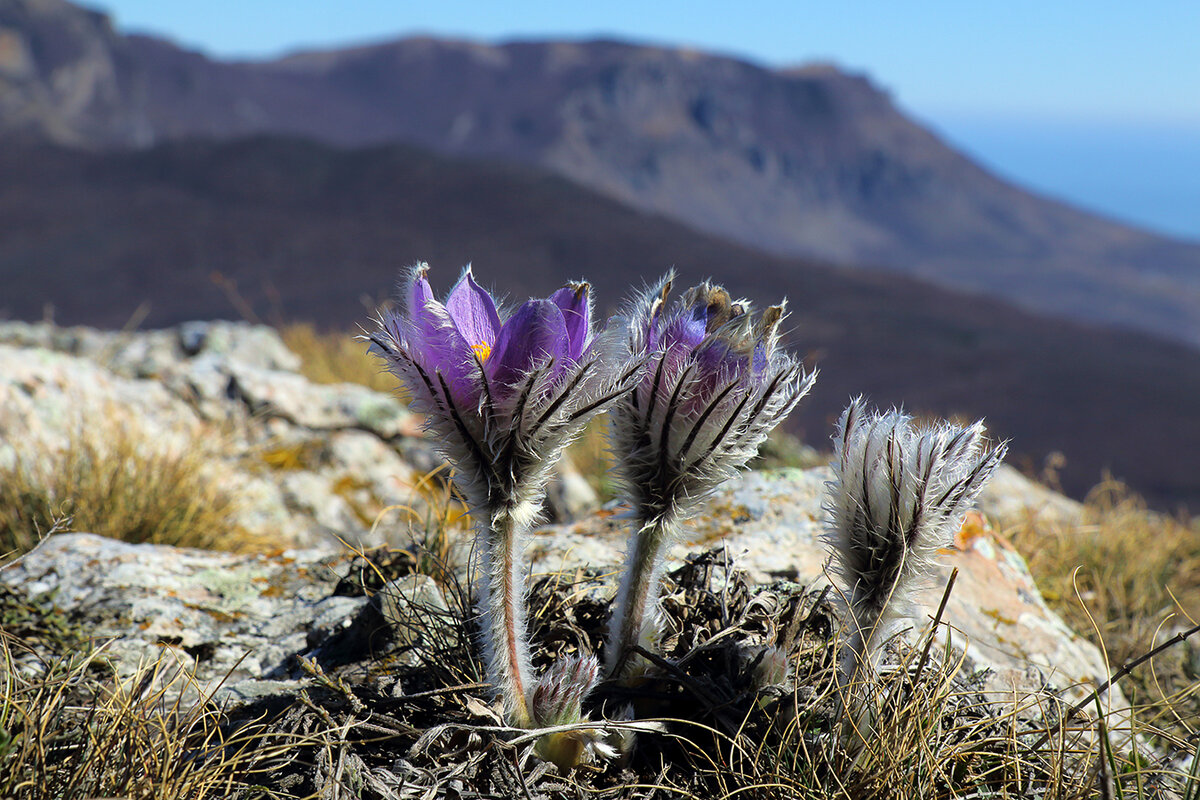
(771, 524)
(46, 397)
(311, 464)
(226, 617)
(146, 353)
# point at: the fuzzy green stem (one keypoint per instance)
(851, 664)
(507, 645)
(633, 622)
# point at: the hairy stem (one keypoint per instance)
(634, 623)
(507, 645)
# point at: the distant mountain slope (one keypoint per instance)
(311, 230)
(810, 162)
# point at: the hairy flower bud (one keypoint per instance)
(714, 383)
(898, 494)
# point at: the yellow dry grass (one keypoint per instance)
(1131, 566)
(336, 357)
(1127, 578)
(69, 729)
(113, 479)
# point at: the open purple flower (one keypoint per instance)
(502, 394)
(479, 357)
(713, 385)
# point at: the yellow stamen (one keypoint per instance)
(482, 350)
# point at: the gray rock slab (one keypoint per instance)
(45, 396)
(771, 525)
(226, 618)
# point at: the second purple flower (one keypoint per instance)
(713, 384)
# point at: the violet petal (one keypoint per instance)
(535, 332)
(575, 303)
(759, 360)
(688, 328)
(473, 312)
(420, 293)
(436, 344)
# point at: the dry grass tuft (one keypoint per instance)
(112, 479)
(336, 357)
(70, 729)
(1127, 579)
(1132, 567)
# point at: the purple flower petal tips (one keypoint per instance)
(474, 314)
(430, 336)
(419, 290)
(536, 334)
(484, 381)
(712, 387)
(575, 302)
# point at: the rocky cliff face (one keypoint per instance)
(63, 76)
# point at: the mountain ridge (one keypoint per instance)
(813, 162)
(302, 230)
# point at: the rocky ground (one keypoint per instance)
(315, 466)
(309, 464)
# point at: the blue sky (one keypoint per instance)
(1096, 102)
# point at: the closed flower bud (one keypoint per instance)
(714, 383)
(898, 494)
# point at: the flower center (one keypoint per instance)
(482, 350)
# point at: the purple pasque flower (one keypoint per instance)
(713, 384)
(465, 341)
(502, 394)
